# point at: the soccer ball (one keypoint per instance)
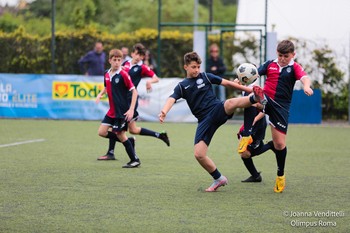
(247, 73)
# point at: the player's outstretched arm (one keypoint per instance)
(307, 86)
(235, 85)
(167, 106)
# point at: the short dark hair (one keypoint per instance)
(285, 46)
(192, 56)
(115, 53)
(139, 48)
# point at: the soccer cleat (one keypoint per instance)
(244, 142)
(252, 179)
(106, 157)
(222, 181)
(280, 184)
(132, 164)
(259, 95)
(164, 137)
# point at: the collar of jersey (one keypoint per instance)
(137, 64)
(289, 64)
(117, 72)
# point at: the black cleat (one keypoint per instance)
(132, 164)
(252, 179)
(106, 157)
(164, 137)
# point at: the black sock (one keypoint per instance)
(250, 166)
(281, 160)
(112, 136)
(263, 148)
(215, 174)
(147, 132)
(130, 150)
(111, 146)
(252, 99)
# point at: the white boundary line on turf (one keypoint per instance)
(20, 143)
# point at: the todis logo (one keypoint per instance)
(76, 90)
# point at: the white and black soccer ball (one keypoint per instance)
(247, 73)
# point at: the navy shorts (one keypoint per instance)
(117, 124)
(208, 125)
(108, 121)
(278, 115)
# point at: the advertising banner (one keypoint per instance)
(73, 97)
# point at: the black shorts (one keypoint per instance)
(208, 125)
(117, 124)
(120, 125)
(278, 115)
(108, 121)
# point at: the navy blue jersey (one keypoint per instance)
(198, 93)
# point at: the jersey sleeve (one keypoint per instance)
(126, 66)
(262, 70)
(146, 71)
(177, 94)
(214, 79)
(127, 80)
(104, 78)
(299, 71)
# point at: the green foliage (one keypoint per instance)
(334, 88)
(58, 186)
(8, 23)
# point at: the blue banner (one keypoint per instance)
(51, 96)
(73, 97)
(306, 109)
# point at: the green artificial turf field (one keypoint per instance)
(56, 184)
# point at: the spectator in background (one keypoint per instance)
(149, 61)
(215, 65)
(125, 52)
(93, 63)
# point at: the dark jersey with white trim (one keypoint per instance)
(280, 81)
(198, 93)
(118, 88)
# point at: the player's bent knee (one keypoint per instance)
(199, 156)
(133, 130)
(102, 133)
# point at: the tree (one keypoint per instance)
(333, 86)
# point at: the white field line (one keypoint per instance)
(24, 142)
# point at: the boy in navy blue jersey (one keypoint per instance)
(281, 75)
(118, 84)
(211, 113)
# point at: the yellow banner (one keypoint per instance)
(76, 90)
